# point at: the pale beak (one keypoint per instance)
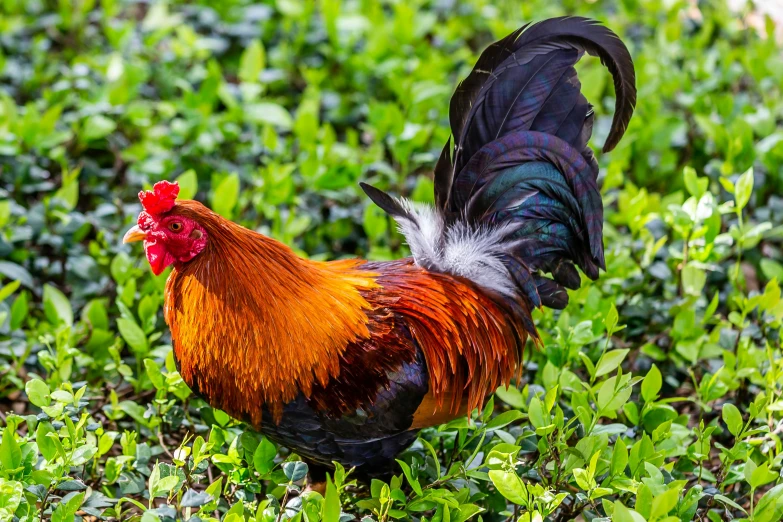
(134, 234)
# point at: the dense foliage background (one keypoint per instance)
(658, 396)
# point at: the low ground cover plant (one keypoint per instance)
(658, 395)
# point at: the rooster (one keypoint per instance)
(345, 360)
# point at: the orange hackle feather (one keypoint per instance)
(253, 324)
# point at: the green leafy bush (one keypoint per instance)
(658, 395)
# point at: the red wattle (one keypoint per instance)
(158, 257)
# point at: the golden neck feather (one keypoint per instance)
(253, 323)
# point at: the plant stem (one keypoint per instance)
(283, 502)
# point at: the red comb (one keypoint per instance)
(161, 198)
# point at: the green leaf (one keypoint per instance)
(693, 279)
(733, 418)
(63, 396)
(504, 419)
(154, 374)
(511, 396)
(762, 475)
(583, 479)
(501, 454)
(46, 444)
(375, 222)
(148, 309)
(95, 314)
(743, 189)
(56, 306)
(162, 481)
(83, 454)
(54, 439)
(133, 335)
(266, 113)
(729, 502)
(406, 469)
(97, 127)
(11, 495)
(69, 190)
(153, 480)
(106, 442)
(619, 457)
(166, 484)
(8, 289)
(623, 514)
(610, 361)
(264, 456)
(10, 453)
(434, 454)
(536, 414)
(588, 363)
(466, 512)
(331, 505)
(65, 511)
(121, 268)
(611, 320)
(188, 184)
(233, 517)
(252, 62)
(159, 18)
(770, 506)
(5, 212)
(651, 384)
(727, 185)
(38, 392)
(424, 191)
(612, 396)
(295, 470)
(696, 186)
(771, 269)
(225, 196)
(665, 502)
(550, 398)
(747, 472)
(509, 485)
(19, 310)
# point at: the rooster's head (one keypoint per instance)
(169, 236)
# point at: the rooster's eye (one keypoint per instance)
(175, 227)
